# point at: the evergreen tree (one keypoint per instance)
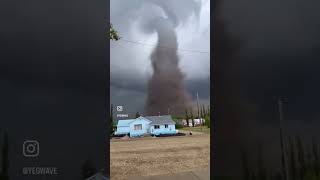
(204, 110)
(192, 117)
(138, 115)
(187, 117)
(207, 121)
(207, 116)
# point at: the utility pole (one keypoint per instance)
(200, 118)
(282, 141)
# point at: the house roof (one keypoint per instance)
(160, 120)
(125, 122)
(140, 118)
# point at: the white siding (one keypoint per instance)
(144, 130)
(170, 130)
(122, 130)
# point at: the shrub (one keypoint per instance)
(207, 121)
(179, 126)
(178, 123)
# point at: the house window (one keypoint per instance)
(166, 126)
(137, 127)
(157, 126)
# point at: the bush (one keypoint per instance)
(178, 123)
(207, 121)
(178, 126)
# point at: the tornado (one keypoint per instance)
(166, 89)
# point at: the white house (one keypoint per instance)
(154, 125)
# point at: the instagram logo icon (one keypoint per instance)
(31, 148)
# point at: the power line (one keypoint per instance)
(147, 50)
(153, 45)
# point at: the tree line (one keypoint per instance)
(303, 162)
(204, 113)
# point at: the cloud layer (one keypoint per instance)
(130, 61)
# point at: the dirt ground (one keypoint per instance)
(155, 156)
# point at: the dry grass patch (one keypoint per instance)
(156, 156)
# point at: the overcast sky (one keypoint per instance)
(130, 65)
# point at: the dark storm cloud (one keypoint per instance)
(130, 62)
(264, 49)
(129, 84)
(280, 48)
(122, 8)
(131, 100)
(202, 86)
(53, 81)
